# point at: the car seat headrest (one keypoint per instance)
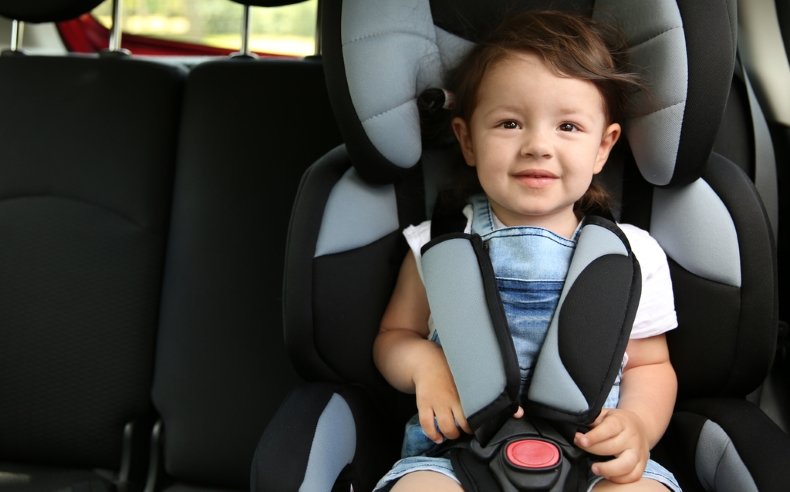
(46, 10)
(267, 3)
(381, 55)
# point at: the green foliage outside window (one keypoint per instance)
(288, 30)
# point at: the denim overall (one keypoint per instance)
(530, 265)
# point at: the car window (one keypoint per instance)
(286, 30)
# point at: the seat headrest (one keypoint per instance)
(267, 3)
(46, 10)
(381, 55)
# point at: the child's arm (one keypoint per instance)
(413, 364)
(647, 397)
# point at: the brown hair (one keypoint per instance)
(572, 46)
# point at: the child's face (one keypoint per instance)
(536, 140)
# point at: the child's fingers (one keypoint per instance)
(625, 468)
(601, 416)
(603, 435)
(609, 447)
(447, 425)
(519, 413)
(429, 427)
(438, 425)
(461, 422)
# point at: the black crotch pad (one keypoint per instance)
(586, 340)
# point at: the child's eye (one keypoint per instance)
(568, 127)
(510, 125)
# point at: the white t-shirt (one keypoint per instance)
(656, 311)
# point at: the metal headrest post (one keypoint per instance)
(246, 20)
(17, 33)
(116, 32)
(15, 46)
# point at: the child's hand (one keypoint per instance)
(619, 433)
(439, 405)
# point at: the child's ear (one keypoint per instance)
(610, 136)
(461, 130)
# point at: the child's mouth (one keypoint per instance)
(536, 178)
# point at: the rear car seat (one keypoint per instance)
(250, 128)
(87, 149)
(701, 207)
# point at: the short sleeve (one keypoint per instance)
(656, 312)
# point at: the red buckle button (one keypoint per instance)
(532, 454)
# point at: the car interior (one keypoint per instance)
(192, 275)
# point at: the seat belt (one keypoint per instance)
(569, 383)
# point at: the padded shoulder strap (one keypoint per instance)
(586, 340)
(465, 304)
(571, 380)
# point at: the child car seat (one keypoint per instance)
(345, 249)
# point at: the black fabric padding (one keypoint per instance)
(678, 447)
(298, 293)
(473, 474)
(379, 438)
(123, 104)
(598, 311)
(709, 77)
(85, 187)
(447, 216)
(726, 339)
(760, 443)
(473, 20)
(703, 347)
(354, 287)
(735, 139)
(26, 478)
(756, 337)
(324, 294)
(46, 10)
(222, 368)
(637, 194)
(410, 197)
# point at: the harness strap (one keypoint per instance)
(575, 369)
(464, 300)
(586, 340)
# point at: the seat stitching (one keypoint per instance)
(651, 38)
(393, 108)
(388, 33)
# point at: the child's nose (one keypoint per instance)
(536, 145)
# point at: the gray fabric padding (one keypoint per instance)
(334, 446)
(393, 52)
(654, 31)
(390, 57)
(696, 230)
(718, 464)
(551, 384)
(356, 214)
(456, 296)
(452, 48)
